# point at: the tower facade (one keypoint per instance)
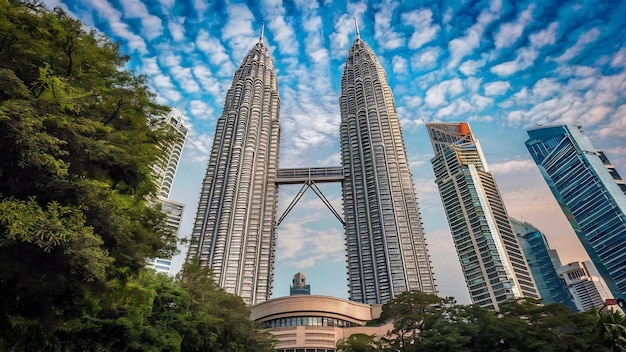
(491, 258)
(544, 264)
(591, 194)
(164, 172)
(582, 287)
(169, 158)
(386, 248)
(234, 231)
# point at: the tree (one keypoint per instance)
(359, 343)
(75, 173)
(409, 312)
(610, 329)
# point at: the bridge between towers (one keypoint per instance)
(309, 177)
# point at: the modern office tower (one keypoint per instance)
(299, 285)
(488, 249)
(582, 287)
(541, 262)
(591, 194)
(386, 248)
(164, 171)
(234, 231)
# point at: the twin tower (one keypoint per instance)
(235, 227)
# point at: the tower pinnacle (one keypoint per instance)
(356, 25)
(262, 31)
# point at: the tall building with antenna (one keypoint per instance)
(489, 252)
(235, 228)
(386, 247)
(234, 232)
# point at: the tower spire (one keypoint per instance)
(262, 31)
(356, 25)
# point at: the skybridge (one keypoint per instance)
(309, 177)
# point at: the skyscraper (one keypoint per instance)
(234, 231)
(544, 264)
(591, 194)
(235, 227)
(582, 287)
(386, 248)
(489, 252)
(165, 171)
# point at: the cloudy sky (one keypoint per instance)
(505, 66)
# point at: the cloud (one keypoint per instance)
(208, 82)
(304, 247)
(496, 88)
(461, 47)
(185, 79)
(119, 28)
(152, 26)
(616, 126)
(344, 28)
(165, 87)
(424, 31)
(619, 59)
(426, 59)
(583, 40)
(509, 33)
(384, 34)
(200, 110)
(212, 47)
(512, 166)
(176, 28)
(399, 65)
(283, 32)
(238, 30)
(526, 56)
(436, 95)
(471, 67)
(149, 66)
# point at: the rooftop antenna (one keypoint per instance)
(262, 30)
(356, 25)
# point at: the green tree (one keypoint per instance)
(359, 343)
(75, 174)
(409, 312)
(610, 329)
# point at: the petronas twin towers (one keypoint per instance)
(235, 228)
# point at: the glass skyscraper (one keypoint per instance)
(543, 263)
(386, 248)
(591, 194)
(234, 231)
(488, 249)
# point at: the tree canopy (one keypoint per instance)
(424, 322)
(77, 212)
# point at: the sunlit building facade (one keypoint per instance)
(164, 172)
(591, 194)
(234, 230)
(386, 247)
(489, 252)
(582, 287)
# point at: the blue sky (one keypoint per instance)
(504, 66)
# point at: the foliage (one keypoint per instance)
(424, 322)
(359, 343)
(77, 216)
